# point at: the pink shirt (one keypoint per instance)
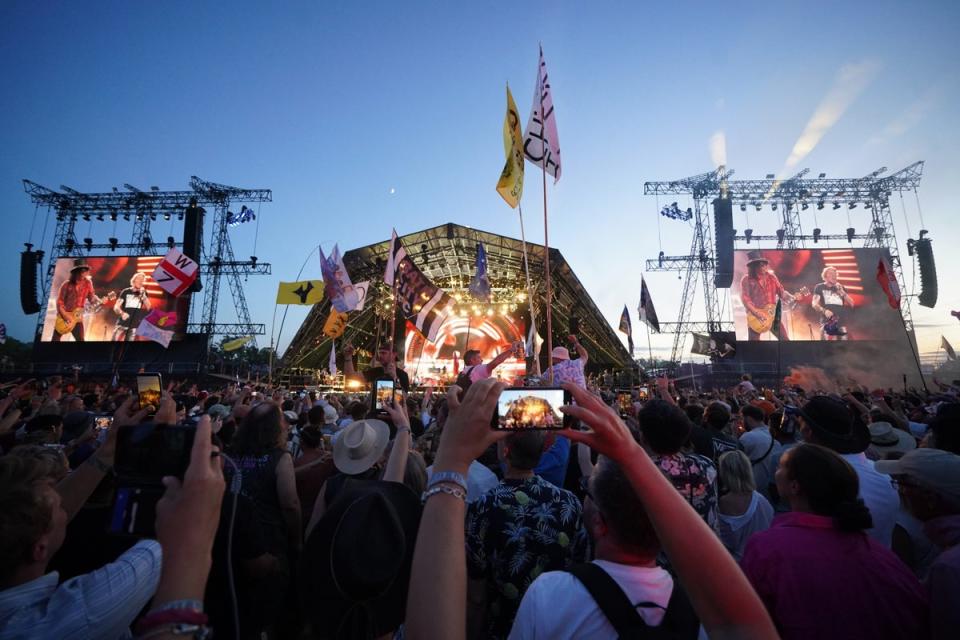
(819, 582)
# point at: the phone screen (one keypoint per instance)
(103, 422)
(383, 392)
(624, 402)
(148, 390)
(531, 408)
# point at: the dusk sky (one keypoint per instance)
(364, 116)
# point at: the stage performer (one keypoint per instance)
(72, 295)
(759, 291)
(475, 369)
(829, 298)
(132, 306)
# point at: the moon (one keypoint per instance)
(393, 190)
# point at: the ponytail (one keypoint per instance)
(853, 515)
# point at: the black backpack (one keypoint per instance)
(463, 381)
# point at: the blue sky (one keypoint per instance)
(333, 105)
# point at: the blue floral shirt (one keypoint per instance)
(516, 531)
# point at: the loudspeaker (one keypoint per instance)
(723, 234)
(28, 282)
(928, 272)
(193, 236)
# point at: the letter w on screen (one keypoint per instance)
(175, 273)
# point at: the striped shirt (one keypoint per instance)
(99, 604)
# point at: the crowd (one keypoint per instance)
(741, 512)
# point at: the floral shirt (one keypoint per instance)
(695, 478)
(516, 531)
(565, 371)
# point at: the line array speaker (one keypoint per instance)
(723, 235)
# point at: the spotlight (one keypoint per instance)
(820, 204)
(804, 206)
(850, 233)
(171, 242)
(836, 205)
(253, 260)
(126, 217)
(771, 176)
(781, 233)
(743, 207)
(822, 176)
(660, 259)
(99, 217)
(139, 216)
(113, 216)
(88, 243)
(69, 244)
(774, 206)
(853, 205)
(748, 233)
(878, 232)
(816, 234)
(153, 217)
(180, 215)
(757, 205)
(113, 243)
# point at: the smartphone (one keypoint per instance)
(644, 393)
(145, 454)
(103, 422)
(148, 390)
(383, 391)
(624, 402)
(531, 408)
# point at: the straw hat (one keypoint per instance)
(560, 353)
(884, 438)
(360, 445)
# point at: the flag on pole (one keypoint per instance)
(158, 326)
(777, 317)
(647, 313)
(541, 144)
(510, 184)
(395, 253)
(423, 303)
(701, 344)
(946, 346)
(343, 294)
(335, 325)
(302, 292)
(332, 363)
(480, 284)
(534, 341)
(236, 343)
(888, 282)
(626, 327)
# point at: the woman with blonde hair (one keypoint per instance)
(743, 511)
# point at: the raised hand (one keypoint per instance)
(609, 435)
(467, 433)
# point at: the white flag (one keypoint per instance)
(395, 253)
(332, 364)
(541, 138)
(534, 341)
(176, 272)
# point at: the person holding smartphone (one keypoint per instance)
(383, 367)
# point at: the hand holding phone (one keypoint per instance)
(148, 391)
(520, 408)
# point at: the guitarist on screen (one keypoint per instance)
(759, 291)
(70, 300)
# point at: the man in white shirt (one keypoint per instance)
(477, 370)
(558, 605)
(761, 447)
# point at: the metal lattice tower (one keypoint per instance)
(792, 196)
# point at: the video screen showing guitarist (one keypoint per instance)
(829, 299)
(759, 291)
(71, 297)
(132, 307)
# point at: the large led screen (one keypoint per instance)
(826, 294)
(104, 299)
(438, 362)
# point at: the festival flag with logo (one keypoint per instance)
(423, 303)
(480, 284)
(302, 292)
(888, 282)
(158, 326)
(541, 144)
(343, 294)
(335, 325)
(176, 272)
(510, 184)
(236, 343)
(777, 318)
(946, 346)
(626, 327)
(647, 313)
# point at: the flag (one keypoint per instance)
(480, 284)
(176, 272)
(626, 327)
(701, 344)
(647, 313)
(510, 184)
(948, 348)
(343, 294)
(423, 303)
(3, 333)
(955, 314)
(332, 363)
(534, 341)
(888, 282)
(302, 292)
(236, 343)
(335, 325)
(541, 144)
(777, 316)
(158, 326)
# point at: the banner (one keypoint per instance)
(236, 343)
(175, 273)
(303, 292)
(343, 294)
(541, 145)
(336, 324)
(158, 326)
(510, 184)
(701, 344)
(422, 302)
(888, 282)
(626, 327)
(946, 346)
(647, 313)
(480, 284)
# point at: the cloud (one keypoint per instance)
(909, 117)
(718, 149)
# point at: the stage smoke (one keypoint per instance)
(28, 281)
(928, 272)
(723, 233)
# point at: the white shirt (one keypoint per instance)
(756, 443)
(557, 605)
(735, 530)
(879, 496)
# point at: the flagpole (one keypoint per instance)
(916, 357)
(649, 348)
(546, 245)
(526, 268)
(285, 309)
(270, 365)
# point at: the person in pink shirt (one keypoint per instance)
(477, 370)
(817, 571)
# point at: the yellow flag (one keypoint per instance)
(335, 325)
(235, 344)
(303, 292)
(510, 185)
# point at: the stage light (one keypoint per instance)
(113, 216)
(660, 259)
(504, 309)
(781, 233)
(100, 217)
(836, 205)
(171, 242)
(771, 176)
(490, 312)
(126, 217)
(113, 243)
(850, 233)
(853, 205)
(180, 215)
(748, 233)
(822, 176)
(153, 217)
(139, 216)
(69, 244)
(86, 217)
(253, 260)
(804, 206)
(774, 206)
(521, 296)
(757, 205)
(820, 204)
(88, 243)
(167, 216)
(816, 234)
(60, 216)
(743, 207)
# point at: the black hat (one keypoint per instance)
(755, 256)
(835, 425)
(357, 561)
(80, 264)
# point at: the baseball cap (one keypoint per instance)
(935, 469)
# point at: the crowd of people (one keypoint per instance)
(742, 512)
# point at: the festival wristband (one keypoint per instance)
(447, 489)
(452, 477)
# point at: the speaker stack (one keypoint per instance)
(29, 260)
(723, 235)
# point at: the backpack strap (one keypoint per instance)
(764, 456)
(611, 599)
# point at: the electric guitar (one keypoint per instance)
(64, 326)
(762, 321)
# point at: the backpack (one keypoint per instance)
(463, 381)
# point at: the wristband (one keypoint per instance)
(452, 477)
(156, 619)
(197, 631)
(447, 489)
(193, 605)
(100, 465)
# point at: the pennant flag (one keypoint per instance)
(236, 343)
(480, 284)
(423, 303)
(158, 326)
(626, 327)
(3, 333)
(302, 292)
(510, 184)
(332, 363)
(946, 346)
(888, 282)
(176, 272)
(647, 313)
(777, 317)
(336, 324)
(701, 344)
(541, 144)
(534, 341)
